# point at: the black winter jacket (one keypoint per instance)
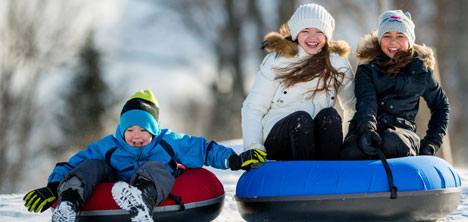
(385, 100)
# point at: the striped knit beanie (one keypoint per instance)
(142, 109)
(311, 15)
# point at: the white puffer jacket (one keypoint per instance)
(270, 101)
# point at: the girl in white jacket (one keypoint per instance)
(289, 111)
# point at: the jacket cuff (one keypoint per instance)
(235, 162)
(364, 127)
(255, 146)
(53, 186)
(431, 139)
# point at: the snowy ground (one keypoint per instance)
(11, 205)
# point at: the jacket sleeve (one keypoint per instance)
(345, 93)
(438, 104)
(258, 102)
(194, 152)
(366, 99)
(63, 168)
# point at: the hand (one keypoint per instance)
(250, 159)
(428, 147)
(42, 198)
(369, 142)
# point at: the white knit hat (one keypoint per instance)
(396, 20)
(311, 15)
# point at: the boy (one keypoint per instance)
(138, 152)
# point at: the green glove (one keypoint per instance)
(247, 160)
(42, 198)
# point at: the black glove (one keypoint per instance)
(429, 147)
(42, 198)
(250, 159)
(369, 142)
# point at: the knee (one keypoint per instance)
(151, 168)
(90, 168)
(301, 116)
(330, 111)
(158, 173)
(390, 139)
(393, 145)
(300, 122)
(328, 116)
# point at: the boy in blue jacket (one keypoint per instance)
(139, 152)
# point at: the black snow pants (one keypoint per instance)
(396, 142)
(299, 137)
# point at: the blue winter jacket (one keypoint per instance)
(190, 151)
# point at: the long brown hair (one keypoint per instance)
(392, 66)
(311, 67)
(395, 64)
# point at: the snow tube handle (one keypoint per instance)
(178, 200)
(393, 188)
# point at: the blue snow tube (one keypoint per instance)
(428, 189)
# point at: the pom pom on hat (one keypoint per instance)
(141, 109)
(311, 15)
(396, 20)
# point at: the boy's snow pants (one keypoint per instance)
(85, 177)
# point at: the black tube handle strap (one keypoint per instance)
(393, 188)
(178, 200)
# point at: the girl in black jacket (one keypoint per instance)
(393, 74)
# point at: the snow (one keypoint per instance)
(12, 209)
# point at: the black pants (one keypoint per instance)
(299, 137)
(396, 142)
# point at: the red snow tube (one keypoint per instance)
(199, 189)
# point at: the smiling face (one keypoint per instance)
(137, 136)
(311, 40)
(393, 42)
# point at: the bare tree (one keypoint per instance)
(228, 28)
(35, 36)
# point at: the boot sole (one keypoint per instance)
(129, 198)
(64, 213)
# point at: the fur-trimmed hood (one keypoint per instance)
(369, 47)
(278, 43)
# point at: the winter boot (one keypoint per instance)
(68, 207)
(148, 191)
(138, 200)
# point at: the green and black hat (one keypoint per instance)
(142, 109)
